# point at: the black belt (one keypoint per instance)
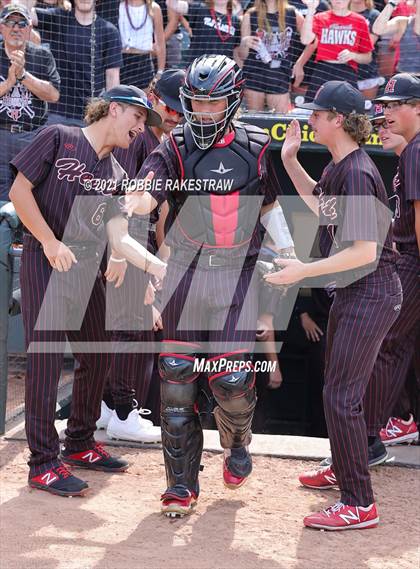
(213, 260)
(17, 128)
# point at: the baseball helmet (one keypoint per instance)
(210, 78)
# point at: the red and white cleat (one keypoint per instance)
(398, 431)
(321, 479)
(340, 517)
(177, 504)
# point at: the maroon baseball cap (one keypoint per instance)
(401, 87)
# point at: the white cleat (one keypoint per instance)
(106, 414)
(134, 428)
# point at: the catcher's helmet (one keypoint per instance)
(211, 77)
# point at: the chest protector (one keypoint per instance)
(212, 202)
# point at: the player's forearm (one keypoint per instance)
(139, 256)
(359, 254)
(130, 249)
(41, 89)
(303, 183)
(272, 218)
(28, 210)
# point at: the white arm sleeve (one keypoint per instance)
(276, 225)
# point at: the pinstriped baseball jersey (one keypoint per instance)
(341, 224)
(407, 190)
(65, 167)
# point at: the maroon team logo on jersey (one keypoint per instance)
(69, 146)
(390, 86)
(70, 169)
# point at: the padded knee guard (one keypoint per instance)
(236, 398)
(182, 435)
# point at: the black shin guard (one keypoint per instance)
(182, 441)
(236, 399)
(182, 435)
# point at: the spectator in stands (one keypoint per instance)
(368, 75)
(407, 31)
(304, 66)
(65, 4)
(343, 42)
(266, 46)
(28, 81)
(86, 67)
(215, 27)
(139, 22)
(173, 35)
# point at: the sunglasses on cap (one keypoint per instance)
(167, 109)
(19, 23)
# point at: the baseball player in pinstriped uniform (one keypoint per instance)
(213, 241)
(401, 102)
(130, 320)
(63, 245)
(363, 311)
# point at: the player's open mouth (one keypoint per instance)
(132, 134)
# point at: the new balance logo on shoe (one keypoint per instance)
(91, 456)
(342, 517)
(330, 478)
(49, 477)
(350, 516)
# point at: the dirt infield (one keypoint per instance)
(259, 526)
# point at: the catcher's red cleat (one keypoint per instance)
(321, 479)
(340, 517)
(177, 503)
(237, 466)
